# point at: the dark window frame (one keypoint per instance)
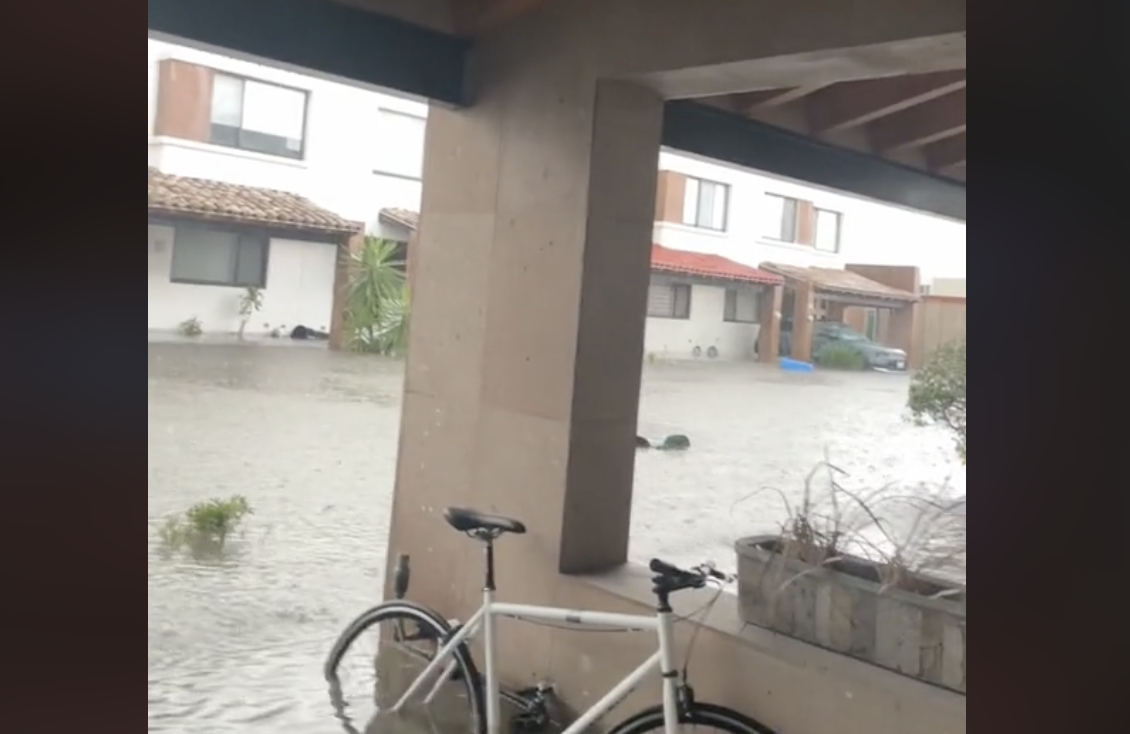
(239, 141)
(785, 234)
(261, 239)
(839, 231)
(730, 312)
(677, 313)
(727, 194)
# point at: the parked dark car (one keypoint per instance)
(830, 334)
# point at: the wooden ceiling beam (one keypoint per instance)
(750, 102)
(921, 125)
(946, 154)
(852, 104)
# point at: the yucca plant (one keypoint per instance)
(377, 311)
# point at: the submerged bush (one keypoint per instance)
(841, 357)
(206, 527)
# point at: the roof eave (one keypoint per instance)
(221, 218)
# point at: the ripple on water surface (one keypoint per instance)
(311, 439)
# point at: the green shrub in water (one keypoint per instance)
(206, 527)
(841, 357)
(937, 394)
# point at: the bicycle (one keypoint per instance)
(452, 662)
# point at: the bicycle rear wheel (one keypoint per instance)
(696, 716)
(380, 655)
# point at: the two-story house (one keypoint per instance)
(834, 245)
(248, 157)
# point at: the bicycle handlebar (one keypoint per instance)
(704, 572)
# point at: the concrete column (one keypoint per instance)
(769, 342)
(804, 315)
(530, 286)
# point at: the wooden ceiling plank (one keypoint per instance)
(852, 104)
(921, 125)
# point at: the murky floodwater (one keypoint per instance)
(310, 438)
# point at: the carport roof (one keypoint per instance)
(664, 260)
(842, 282)
(197, 198)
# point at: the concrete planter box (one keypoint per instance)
(849, 613)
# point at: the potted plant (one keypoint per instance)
(839, 576)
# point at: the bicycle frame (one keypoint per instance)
(485, 621)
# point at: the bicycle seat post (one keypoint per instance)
(489, 582)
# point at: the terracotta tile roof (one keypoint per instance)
(664, 260)
(403, 217)
(843, 282)
(198, 198)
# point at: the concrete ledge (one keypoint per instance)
(787, 685)
(633, 583)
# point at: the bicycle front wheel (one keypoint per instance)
(377, 659)
(697, 716)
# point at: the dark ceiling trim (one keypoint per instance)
(712, 133)
(352, 45)
(326, 38)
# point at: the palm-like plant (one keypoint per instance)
(377, 311)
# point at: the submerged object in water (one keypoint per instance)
(677, 442)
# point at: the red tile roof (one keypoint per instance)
(402, 217)
(842, 282)
(197, 198)
(664, 260)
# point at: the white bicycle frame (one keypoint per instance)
(485, 620)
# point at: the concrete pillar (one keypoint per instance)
(769, 342)
(804, 316)
(530, 282)
(345, 254)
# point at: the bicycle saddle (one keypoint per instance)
(469, 521)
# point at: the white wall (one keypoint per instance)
(676, 339)
(300, 284)
(872, 233)
(349, 136)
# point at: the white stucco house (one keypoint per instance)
(280, 167)
(705, 307)
(210, 242)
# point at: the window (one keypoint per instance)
(828, 227)
(209, 257)
(401, 145)
(669, 301)
(742, 306)
(783, 218)
(707, 205)
(258, 117)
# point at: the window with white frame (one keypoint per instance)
(258, 117)
(707, 205)
(829, 230)
(669, 301)
(782, 218)
(402, 145)
(214, 257)
(743, 306)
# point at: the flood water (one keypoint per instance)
(310, 438)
